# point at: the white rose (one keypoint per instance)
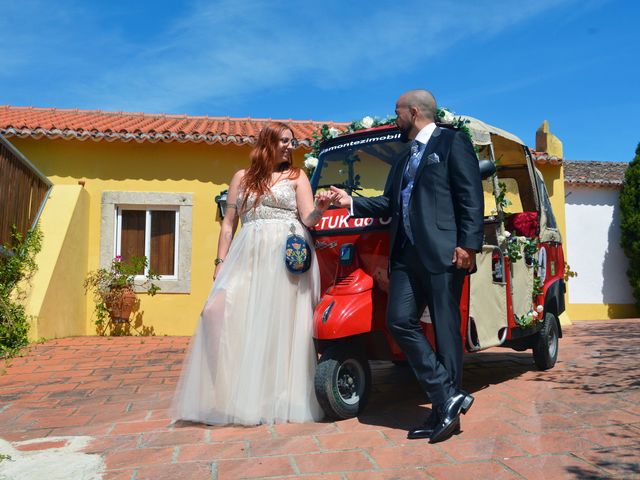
(507, 233)
(539, 308)
(367, 122)
(311, 162)
(334, 132)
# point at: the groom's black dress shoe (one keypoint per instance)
(449, 416)
(426, 429)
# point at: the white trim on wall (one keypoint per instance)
(182, 202)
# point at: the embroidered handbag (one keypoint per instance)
(297, 254)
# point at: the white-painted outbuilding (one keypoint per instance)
(601, 289)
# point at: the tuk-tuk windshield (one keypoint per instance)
(359, 164)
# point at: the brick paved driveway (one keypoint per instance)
(579, 420)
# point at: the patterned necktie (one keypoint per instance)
(407, 186)
(412, 164)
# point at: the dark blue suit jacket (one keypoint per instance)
(447, 201)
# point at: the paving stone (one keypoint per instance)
(212, 451)
(417, 454)
(467, 471)
(184, 436)
(351, 440)
(622, 462)
(254, 468)
(138, 456)
(333, 462)
(137, 427)
(544, 467)
(282, 446)
(190, 471)
(401, 474)
(580, 419)
(551, 442)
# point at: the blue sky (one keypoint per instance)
(509, 63)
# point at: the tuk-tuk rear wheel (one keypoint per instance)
(545, 343)
(342, 381)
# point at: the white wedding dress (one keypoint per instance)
(252, 358)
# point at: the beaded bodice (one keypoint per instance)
(279, 204)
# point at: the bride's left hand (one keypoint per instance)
(323, 200)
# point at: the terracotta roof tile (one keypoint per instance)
(543, 158)
(141, 127)
(599, 174)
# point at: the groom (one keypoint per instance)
(436, 202)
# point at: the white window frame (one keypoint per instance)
(147, 237)
(111, 226)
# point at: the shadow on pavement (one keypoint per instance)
(397, 401)
(603, 366)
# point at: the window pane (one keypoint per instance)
(163, 240)
(132, 241)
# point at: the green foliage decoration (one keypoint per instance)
(516, 248)
(17, 267)
(326, 132)
(630, 223)
(502, 199)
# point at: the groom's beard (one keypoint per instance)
(404, 134)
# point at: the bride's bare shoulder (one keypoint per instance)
(238, 176)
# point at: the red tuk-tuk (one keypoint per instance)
(513, 300)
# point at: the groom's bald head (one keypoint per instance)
(423, 101)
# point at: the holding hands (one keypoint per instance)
(324, 200)
(340, 197)
(335, 196)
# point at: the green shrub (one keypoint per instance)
(630, 223)
(17, 265)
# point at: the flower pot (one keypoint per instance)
(121, 304)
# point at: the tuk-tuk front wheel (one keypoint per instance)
(545, 343)
(342, 381)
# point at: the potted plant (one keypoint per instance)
(113, 289)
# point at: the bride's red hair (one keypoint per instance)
(264, 161)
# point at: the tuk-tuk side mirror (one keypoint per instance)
(487, 168)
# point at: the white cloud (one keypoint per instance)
(216, 51)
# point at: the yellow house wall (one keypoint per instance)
(598, 311)
(201, 169)
(56, 301)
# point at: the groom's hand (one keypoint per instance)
(464, 258)
(340, 198)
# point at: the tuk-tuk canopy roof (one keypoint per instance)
(481, 131)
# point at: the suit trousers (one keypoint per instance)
(412, 288)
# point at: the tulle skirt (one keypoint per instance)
(252, 358)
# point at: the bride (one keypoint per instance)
(252, 358)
